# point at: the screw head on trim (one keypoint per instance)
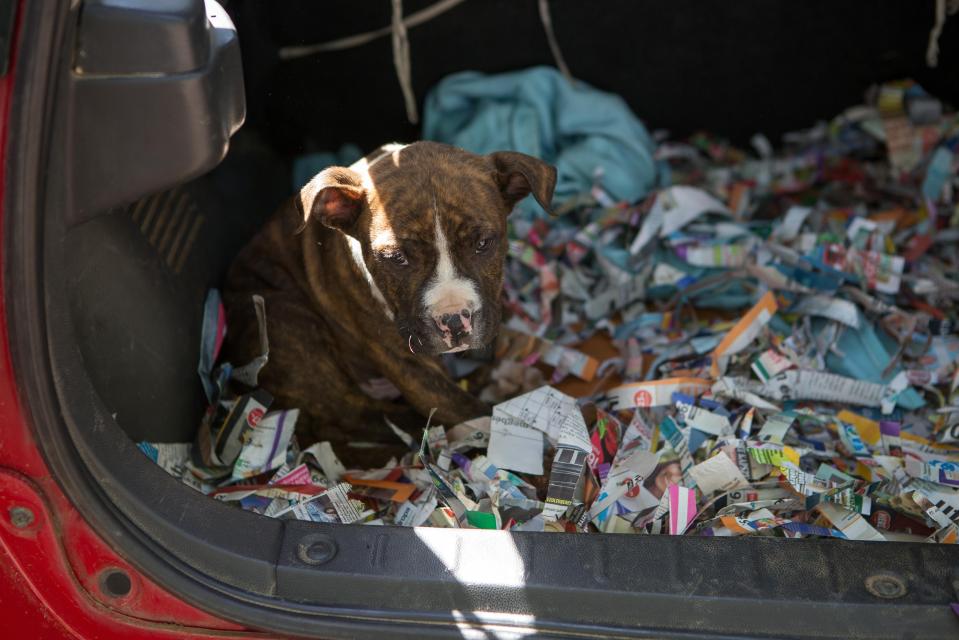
(21, 517)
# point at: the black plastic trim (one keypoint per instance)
(155, 94)
(8, 15)
(117, 37)
(393, 581)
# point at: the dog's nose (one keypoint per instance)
(455, 326)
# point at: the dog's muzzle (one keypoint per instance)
(455, 328)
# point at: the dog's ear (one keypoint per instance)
(335, 197)
(519, 175)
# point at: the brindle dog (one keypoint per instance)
(369, 273)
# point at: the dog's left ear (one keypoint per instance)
(519, 175)
(334, 197)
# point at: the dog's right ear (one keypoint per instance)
(335, 197)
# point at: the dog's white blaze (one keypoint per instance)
(392, 150)
(356, 249)
(447, 291)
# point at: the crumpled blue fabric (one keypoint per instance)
(866, 353)
(310, 164)
(539, 112)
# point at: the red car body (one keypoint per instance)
(53, 566)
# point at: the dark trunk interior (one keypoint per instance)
(138, 275)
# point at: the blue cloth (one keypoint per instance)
(310, 164)
(539, 112)
(866, 353)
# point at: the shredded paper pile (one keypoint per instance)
(767, 346)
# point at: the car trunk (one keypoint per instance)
(122, 261)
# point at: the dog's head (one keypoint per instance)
(427, 226)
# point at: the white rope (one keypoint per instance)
(547, 21)
(398, 28)
(401, 60)
(413, 20)
(932, 49)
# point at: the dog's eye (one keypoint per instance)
(483, 245)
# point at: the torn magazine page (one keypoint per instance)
(674, 208)
(745, 331)
(248, 373)
(804, 384)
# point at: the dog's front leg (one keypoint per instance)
(426, 385)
